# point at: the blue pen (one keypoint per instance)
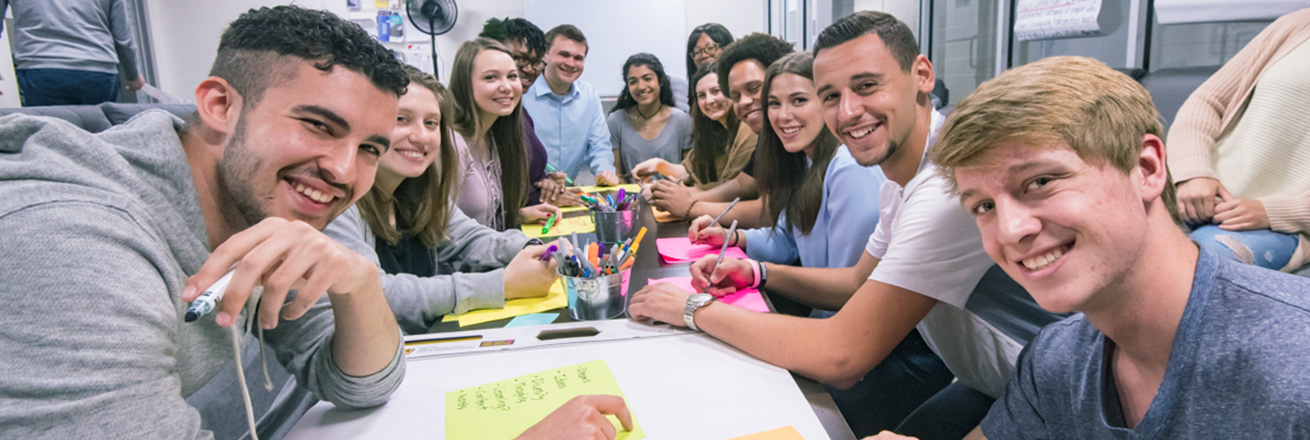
(208, 300)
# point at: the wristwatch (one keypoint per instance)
(694, 303)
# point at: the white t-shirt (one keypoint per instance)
(928, 244)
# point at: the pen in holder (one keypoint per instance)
(596, 285)
(616, 218)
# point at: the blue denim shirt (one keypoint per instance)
(572, 127)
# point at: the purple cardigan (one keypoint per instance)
(536, 158)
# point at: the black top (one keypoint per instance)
(409, 255)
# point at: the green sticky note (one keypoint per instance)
(504, 409)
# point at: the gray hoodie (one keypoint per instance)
(98, 233)
(469, 248)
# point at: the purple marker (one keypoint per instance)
(549, 251)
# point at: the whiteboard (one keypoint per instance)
(680, 386)
(617, 29)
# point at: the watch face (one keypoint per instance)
(701, 298)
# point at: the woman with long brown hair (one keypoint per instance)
(429, 251)
(489, 137)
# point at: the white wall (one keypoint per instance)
(739, 16)
(186, 33)
(8, 83)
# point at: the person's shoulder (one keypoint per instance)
(1063, 343)
(1274, 289)
(679, 116)
(843, 164)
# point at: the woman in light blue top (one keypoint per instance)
(823, 204)
(644, 123)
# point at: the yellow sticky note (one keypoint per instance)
(503, 410)
(554, 299)
(610, 189)
(783, 433)
(574, 219)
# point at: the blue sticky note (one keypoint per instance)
(533, 319)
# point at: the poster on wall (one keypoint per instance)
(1048, 19)
(420, 56)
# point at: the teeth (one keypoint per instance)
(1040, 262)
(313, 194)
(861, 133)
(791, 130)
(413, 154)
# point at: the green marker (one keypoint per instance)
(550, 169)
(550, 223)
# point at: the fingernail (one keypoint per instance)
(188, 293)
(223, 319)
(267, 325)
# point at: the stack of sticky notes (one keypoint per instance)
(681, 250)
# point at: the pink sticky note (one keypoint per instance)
(749, 299)
(681, 250)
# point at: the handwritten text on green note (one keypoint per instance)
(503, 410)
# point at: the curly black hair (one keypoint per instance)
(516, 29)
(253, 50)
(763, 48)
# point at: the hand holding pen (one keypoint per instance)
(281, 255)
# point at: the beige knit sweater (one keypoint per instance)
(1214, 109)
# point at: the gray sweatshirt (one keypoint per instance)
(87, 35)
(98, 233)
(418, 302)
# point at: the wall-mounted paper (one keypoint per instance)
(503, 410)
(1047, 19)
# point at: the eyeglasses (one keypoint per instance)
(524, 63)
(705, 51)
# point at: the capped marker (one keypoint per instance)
(208, 300)
(550, 223)
(567, 180)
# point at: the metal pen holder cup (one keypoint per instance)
(616, 226)
(597, 298)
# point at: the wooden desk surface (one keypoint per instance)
(648, 266)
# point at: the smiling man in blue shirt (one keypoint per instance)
(569, 118)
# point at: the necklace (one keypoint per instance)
(658, 107)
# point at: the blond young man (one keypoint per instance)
(1061, 164)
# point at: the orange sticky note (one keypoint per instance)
(783, 433)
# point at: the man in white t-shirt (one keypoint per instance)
(924, 265)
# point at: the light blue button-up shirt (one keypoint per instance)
(572, 127)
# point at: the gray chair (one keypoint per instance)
(98, 118)
(1170, 88)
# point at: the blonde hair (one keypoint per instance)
(1100, 113)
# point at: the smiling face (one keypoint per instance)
(795, 113)
(643, 85)
(1065, 229)
(496, 86)
(526, 60)
(706, 51)
(710, 98)
(417, 137)
(869, 102)
(565, 61)
(303, 154)
(745, 80)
